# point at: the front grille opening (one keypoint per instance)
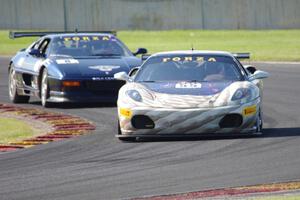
(142, 122)
(231, 121)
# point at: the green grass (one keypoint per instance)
(12, 130)
(264, 45)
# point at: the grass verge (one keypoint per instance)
(14, 130)
(264, 45)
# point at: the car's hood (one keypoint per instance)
(91, 67)
(195, 95)
(187, 88)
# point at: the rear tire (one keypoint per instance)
(12, 89)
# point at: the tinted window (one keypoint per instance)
(90, 45)
(189, 68)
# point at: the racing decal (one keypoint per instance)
(105, 68)
(188, 59)
(67, 61)
(87, 38)
(107, 78)
(211, 60)
(188, 85)
(125, 112)
(249, 110)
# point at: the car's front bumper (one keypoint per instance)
(189, 122)
(80, 96)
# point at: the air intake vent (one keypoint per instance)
(142, 122)
(231, 121)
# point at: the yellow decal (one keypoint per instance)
(249, 110)
(76, 38)
(125, 112)
(187, 59)
(67, 38)
(199, 59)
(87, 38)
(166, 59)
(212, 60)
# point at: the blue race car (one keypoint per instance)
(69, 67)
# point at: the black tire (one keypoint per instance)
(44, 89)
(259, 123)
(12, 89)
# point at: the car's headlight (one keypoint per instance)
(134, 94)
(241, 93)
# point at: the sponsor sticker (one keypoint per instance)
(105, 68)
(188, 85)
(67, 61)
(88, 38)
(188, 59)
(125, 112)
(249, 110)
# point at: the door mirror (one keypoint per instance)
(122, 76)
(258, 74)
(35, 52)
(140, 51)
(133, 71)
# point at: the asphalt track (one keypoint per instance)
(98, 166)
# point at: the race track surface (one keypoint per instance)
(98, 166)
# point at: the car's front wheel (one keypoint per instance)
(259, 123)
(12, 88)
(45, 89)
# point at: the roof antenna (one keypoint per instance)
(76, 30)
(192, 47)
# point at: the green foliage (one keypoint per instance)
(264, 45)
(12, 130)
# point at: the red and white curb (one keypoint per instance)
(64, 126)
(226, 193)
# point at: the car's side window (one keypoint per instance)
(35, 45)
(43, 45)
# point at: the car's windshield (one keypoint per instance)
(90, 45)
(189, 68)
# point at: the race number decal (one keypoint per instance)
(67, 61)
(188, 85)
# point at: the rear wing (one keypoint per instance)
(13, 34)
(241, 56)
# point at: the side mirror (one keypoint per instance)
(250, 69)
(35, 52)
(140, 51)
(258, 74)
(133, 71)
(122, 76)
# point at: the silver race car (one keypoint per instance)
(189, 93)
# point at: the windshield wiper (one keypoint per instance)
(106, 54)
(147, 81)
(62, 55)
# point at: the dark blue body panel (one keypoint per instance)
(95, 74)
